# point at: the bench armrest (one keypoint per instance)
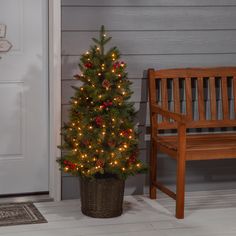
(178, 117)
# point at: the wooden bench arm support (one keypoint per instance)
(181, 124)
(180, 118)
(181, 121)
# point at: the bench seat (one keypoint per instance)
(201, 146)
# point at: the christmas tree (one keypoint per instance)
(100, 139)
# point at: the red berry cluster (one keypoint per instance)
(118, 65)
(106, 104)
(69, 165)
(127, 132)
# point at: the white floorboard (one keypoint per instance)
(208, 213)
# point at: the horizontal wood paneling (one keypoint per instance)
(70, 187)
(137, 65)
(156, 42)
(148, 18)
(148, 3)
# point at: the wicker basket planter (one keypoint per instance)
(102, 198)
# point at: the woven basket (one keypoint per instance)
(102, 198)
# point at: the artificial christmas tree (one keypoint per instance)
(100, 141)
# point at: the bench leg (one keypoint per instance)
(153, 170)
(180, 187)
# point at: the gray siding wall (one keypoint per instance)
(157, 34)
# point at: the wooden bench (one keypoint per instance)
(182, 100)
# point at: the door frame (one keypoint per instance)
(54, 48)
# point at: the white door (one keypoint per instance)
(24, 98)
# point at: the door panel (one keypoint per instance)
(24, 98)
(11, 141)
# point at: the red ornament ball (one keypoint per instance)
(88, 65)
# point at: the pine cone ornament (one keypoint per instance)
(106, 84)
(111, 143)
(100, 163)
(132, 159)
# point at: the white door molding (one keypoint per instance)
(54, 97)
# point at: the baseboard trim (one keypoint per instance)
(24, 194)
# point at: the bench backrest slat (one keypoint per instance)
(212, 85)
(164, 95)
(201, 105)
(188, 95)
(225, 98)
(209, 92)
(176, 95)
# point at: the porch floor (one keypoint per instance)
(208, 213)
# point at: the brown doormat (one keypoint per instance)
(20, 213)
